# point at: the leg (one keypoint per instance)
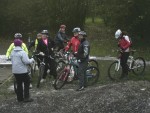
(124, 64)
(26, 85)
(26, 88)
(53, 71)
(19, 81)
(46, 68)
(81, 74)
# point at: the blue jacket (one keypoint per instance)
(20, 61)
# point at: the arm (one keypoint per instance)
(35, 43)
(24, 47)
(60, 37)
(31, 45)
(25, 58)
(9, 50)
(68, 45)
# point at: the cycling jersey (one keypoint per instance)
(12, 46)
(74, 42)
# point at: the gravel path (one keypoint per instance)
(125, 97)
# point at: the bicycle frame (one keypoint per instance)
(129, 61)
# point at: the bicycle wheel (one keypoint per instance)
(61, 79)
(30, 71)
(60, 65)
(40, 75)
(92, 62)
(114, 71)
(92, 75)
(138, 66)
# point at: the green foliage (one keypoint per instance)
(34, 15)
(130, 15)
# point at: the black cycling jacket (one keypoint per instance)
(83, 50)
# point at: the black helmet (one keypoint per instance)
(76, 29)
(18, 36)
(83, 33)
(45, 32)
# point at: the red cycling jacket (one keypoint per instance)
(124, 43)
(74, 42)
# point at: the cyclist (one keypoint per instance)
(83, 58)
(124, 44)
(11, 47)
(60, 38)
(20, 61)
(45, 46)
(35, 42)
(74, 42)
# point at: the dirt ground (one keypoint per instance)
(125, 97)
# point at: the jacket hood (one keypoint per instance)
(17, 48)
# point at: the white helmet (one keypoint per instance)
(118, 33)
(76, 29)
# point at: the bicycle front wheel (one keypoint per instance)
(138, 66)
(92, 75)
(40, 75)
(61, 79)
(60, 66)
(114, 71)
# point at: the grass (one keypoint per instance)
(97, 20)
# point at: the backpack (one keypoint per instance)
(129, 40)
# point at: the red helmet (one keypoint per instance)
(62, 26)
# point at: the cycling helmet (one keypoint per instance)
(62, 26)
(18, 35)
(39, 34)
(44, 32)
(77, 29)
(83, 33)
(118, 33)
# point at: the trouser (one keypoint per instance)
(81, 73)
(22, 92)
(50, 64)
(124, 59)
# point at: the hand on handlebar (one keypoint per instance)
(41, 53)
(8, 59)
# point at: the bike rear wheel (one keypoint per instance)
(138, 66)
(61, 79)
(92, 62)
(114, 71)
(92, 75)
(40, 75)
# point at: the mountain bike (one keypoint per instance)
(136, 65)
(70, 73)
(59, 65)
